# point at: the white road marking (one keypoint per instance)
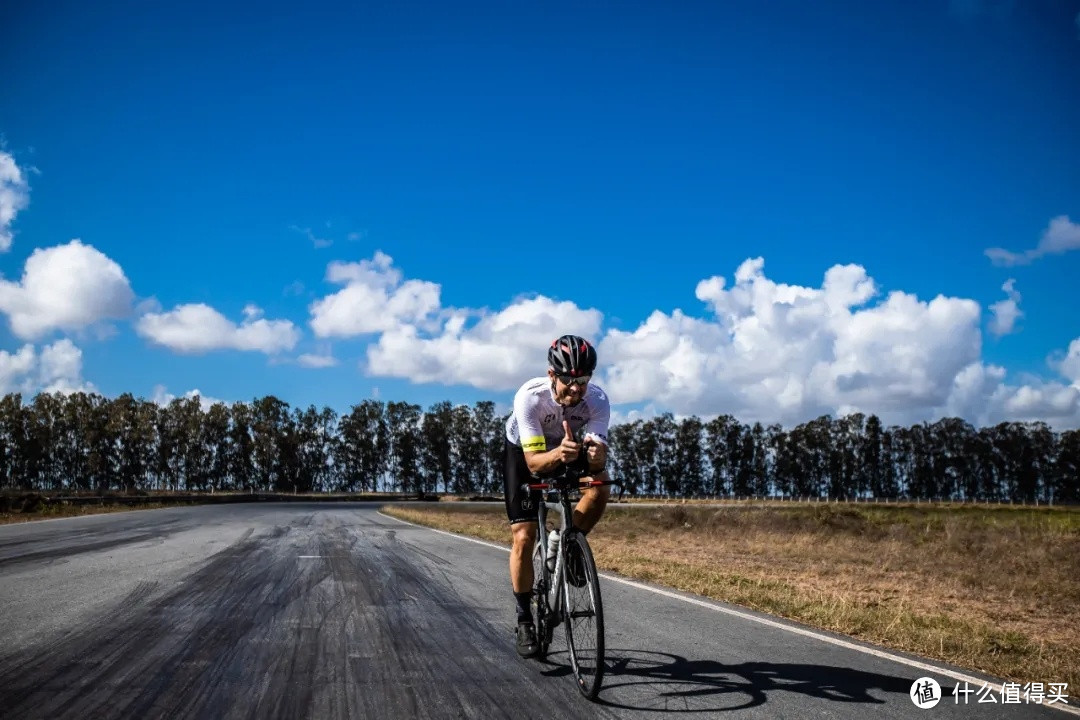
(959, 677)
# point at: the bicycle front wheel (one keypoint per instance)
(584, 615)
(540, 609)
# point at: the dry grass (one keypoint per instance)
(60, 511)
(994, 590)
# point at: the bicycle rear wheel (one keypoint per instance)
(584, 615)
(541, 611)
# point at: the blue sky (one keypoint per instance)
(429, 193)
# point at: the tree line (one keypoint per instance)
(86, 442)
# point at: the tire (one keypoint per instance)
(584, 616)
(540, 608)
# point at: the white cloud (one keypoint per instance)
(767, 351)
(781, 353)
(67, 287)
(373, 300)
(1069, 366)
(15, 367)
(421, 341)
(14, 196)
(310, 360)
(57, 368)
(163, 397)
(60, 368)
(199, 328)
(499, 351)
(1060, 236)
(1006, 312)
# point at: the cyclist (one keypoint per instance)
(549, 413)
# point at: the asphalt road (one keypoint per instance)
(292, 610)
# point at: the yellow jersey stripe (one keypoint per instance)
(534, 444)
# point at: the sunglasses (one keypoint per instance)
(567, 380)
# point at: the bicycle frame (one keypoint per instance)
(553, 582)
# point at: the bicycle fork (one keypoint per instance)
(554, 598)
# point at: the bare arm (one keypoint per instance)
(548, 460)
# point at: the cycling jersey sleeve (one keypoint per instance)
(530, 431)
(597, 427)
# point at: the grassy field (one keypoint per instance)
(991, 589)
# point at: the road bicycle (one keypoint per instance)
(571, 593)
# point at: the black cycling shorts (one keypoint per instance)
(521, 506)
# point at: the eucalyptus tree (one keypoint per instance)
(436, 462)
(625, 463)
(240, 457)
(216, 445)
(14, 443)
(403, 423)
(44, 417)
(872, 466)
(689, 457)
(134, 440)
(722, 434)
(786, 463)
(315, 433)
(460, 436)
(270, 429)
(362, 452)
(1067, 473)
(488, 432)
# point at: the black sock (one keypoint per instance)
(524, 612)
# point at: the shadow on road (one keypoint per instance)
(643, 680)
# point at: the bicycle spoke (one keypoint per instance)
(584, 617)
(539, 604)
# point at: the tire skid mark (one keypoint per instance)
(368, 627)
(422, 651)
(165, 658)
(83, 541)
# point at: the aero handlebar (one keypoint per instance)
(581, 484)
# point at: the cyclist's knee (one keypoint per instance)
(524, 534)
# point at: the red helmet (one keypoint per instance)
(572, 355)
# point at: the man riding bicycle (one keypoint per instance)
(549, 413)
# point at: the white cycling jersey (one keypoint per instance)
(537, 421)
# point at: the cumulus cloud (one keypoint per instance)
(373, 300)
(14, 196)
(15, 367)
(496, 351)
(762, 350)
(1060, 236)
(67, 287)
(199, 328)
(1006, 312)
(787, 354)
(420, 340)
(1069, 366)
(56, 368)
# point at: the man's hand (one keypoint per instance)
(568, 449)
(597, 454)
